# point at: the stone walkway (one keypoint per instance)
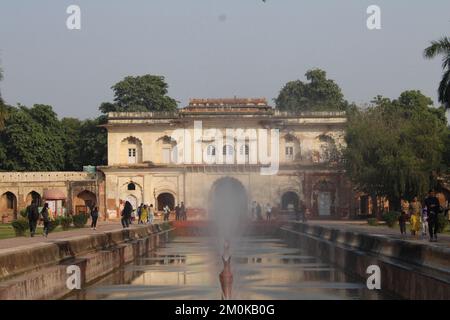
(102, 226)
(394, 233)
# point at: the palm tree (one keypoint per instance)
(442, 47)
(3, 113)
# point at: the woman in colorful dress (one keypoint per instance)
(415, 210)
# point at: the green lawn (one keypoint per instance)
(7, 231)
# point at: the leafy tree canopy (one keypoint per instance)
(140, 94)
(395, 147)
(319, 94)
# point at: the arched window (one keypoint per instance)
(227, 150)
(211, 150)
(244, 151)
(131, 186)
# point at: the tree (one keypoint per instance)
(3, 108)
(319, 94)
(442, 47)
(140, 94)
(395, 148)
(85, 143)
(31, 140)
(71, 139)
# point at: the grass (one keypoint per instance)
(7, 231)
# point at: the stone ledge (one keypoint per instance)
(19, 260)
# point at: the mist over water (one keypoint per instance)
(228, 211)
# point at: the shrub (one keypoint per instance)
(391, 218)
(372, 221)
(23, 213)
(65, 222)
(80, 220)
(53, 225)
(20, 227)
(165, 226)
(442, 223)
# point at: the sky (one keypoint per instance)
(214, 48)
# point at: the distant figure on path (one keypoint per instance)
(94, 217)
(151, 214)
(166, 210)
(178, 212)
(402, 223)
(183, 211)
(33, 217)
(415, 210)
(433, 208)
(45, 219)
(139, 213)
(258, 212)
(144, 214)
(253, 211)
(424, 222)
(268, 212)
(126, 214)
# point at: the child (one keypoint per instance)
(402, 223)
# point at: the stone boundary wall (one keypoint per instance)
(408, 270)
(40, 271)
(52, 176)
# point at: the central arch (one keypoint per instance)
(228, 205)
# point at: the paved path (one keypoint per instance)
(102, 226)
(394, 233)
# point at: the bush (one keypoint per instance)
(372, 221)
(391, 218)
(20, 227)
(53, 225)
(80, 220)
(165, 226)
(23, 213)
(442, 223)
(65, 222)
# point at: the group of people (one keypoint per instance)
(180, 212)
(34, 215)
(422, 218)
(145, 214)
(257, 211)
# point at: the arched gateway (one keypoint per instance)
(228, 203)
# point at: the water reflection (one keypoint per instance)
(263, 268)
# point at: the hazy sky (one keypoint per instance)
(214, 48)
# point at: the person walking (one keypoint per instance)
(424, 222)
(402, 223)
(253, 212)
(166, 212)
(415, 210)
(33, 217)
(151, 214)
(139, 213)
(126, 214)
(258, 212)
(94, 217)
(177, 212)
(433, 208)
(268, 212)
(46, 219)
(183, 211)
(144, 214)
